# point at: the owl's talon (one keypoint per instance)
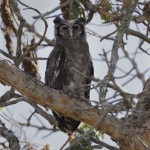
(83, 99)
(70, 93)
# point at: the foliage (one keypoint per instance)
(75, 11)
(107, 6)
(85, 143)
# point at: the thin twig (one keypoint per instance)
(53, 10)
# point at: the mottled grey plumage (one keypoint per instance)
(69, 57)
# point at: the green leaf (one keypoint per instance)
(75, 11)
(105, 4)
(84, 144)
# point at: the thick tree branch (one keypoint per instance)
(36, 91)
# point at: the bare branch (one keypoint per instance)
(139, 35)
(54, 99)
(121, 30)
(53, 10)
(9, 135)
(30, 27)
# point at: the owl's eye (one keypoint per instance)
(64, 27)
(76, 27)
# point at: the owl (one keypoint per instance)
(69, 66)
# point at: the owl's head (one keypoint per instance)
(69, 29)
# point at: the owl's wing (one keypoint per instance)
(55, 69)
(88, 82)
(54, 77)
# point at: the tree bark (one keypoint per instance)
(39, 93)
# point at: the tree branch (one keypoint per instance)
(39, 93)
(36, 91)
(9, 135)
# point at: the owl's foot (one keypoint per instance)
(70, 93)
(77, 97)
(82, 99)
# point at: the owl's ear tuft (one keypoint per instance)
(57, 20)
(81, 20)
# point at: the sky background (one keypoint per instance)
(23, 109)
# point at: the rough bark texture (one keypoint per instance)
(127, 132)
(38, 92)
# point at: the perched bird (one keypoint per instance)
(69, 65)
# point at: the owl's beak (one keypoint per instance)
(70, 33)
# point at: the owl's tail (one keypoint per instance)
(66, 124)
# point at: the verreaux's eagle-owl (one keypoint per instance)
(70, 53)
